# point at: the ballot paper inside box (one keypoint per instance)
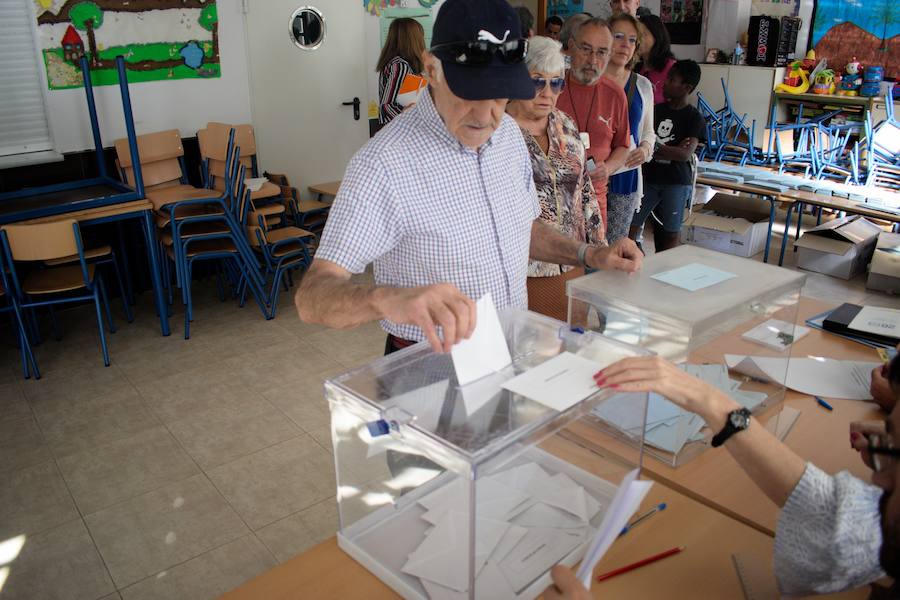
(693, 306)
(445, 491)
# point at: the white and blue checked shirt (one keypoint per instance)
(425, 209)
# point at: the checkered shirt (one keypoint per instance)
(425, 209)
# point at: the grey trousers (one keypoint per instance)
(620, 209)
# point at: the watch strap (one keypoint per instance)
(730, 429)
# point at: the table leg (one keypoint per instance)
(799, 220)
(771, 224)
(787, 233)
(153, 258)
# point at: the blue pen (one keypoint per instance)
(823, 404)
(646, 515)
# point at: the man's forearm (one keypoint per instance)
(335, 302)
(679, 153)
(549, 245)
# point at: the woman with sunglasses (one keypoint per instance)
(625, 187)
(564, 188)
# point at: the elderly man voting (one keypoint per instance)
(442, 200)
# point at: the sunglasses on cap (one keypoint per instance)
(556, 84)
(480, 52)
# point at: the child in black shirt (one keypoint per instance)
(668, 177)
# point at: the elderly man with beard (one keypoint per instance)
(834, 532)
(597, 105)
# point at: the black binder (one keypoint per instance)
(839, 322)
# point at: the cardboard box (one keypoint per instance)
(841, 247)
(884, 270)
(731, 224)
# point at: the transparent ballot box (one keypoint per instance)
(730, 321)
(444, 491)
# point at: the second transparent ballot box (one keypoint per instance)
(445, 491)
(728, 320)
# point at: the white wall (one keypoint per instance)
(183, 104)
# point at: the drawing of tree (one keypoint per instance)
(209, 19)
(87, 16)
(889, 14)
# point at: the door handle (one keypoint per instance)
(355, 104)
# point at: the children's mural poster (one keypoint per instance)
(867, 31)
(160, 39)
(683, 20)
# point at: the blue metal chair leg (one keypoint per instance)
(103, 346)
(126, 302)
(103, 296)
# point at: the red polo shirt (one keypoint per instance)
(601, 110)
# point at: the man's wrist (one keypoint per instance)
(582, 254)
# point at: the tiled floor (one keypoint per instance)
(186, 467)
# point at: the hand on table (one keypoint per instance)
(880, 389)
(565, 586)
(623, 255)
(429, 307)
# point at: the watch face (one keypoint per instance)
(739, 420)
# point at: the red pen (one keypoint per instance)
(641, 563)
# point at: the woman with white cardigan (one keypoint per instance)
(625, 187)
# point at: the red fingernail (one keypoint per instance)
(614, 386)
(855, 435)
(600, 380)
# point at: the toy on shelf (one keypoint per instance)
(809, 62)
(852, 79)
(796, 80)
(871, 85)
(824, 83)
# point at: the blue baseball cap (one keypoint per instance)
(481, 49)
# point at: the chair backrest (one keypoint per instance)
(42, 241)
(160, 154)
(214, 149)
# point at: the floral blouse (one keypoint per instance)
(564, 189)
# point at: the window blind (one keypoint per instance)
(23, 117)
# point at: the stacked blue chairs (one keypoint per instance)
(49, 286)
(883, 151)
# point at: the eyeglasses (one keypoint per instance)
(556, 84)
(619, 36)
(481, 52)
(589, 52)
(882, 451)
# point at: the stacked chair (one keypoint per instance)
(882, 149)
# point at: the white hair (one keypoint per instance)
(545, 55)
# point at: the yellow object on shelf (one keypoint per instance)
(795, 89)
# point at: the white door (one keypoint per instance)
(302, 129)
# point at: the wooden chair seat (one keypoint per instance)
(90, 254)
(283, 233)
(288, 249)
(205, 246)
(161, 197)
(305, 206)
(162, 219)
(268, 190)
(190, 230)
(58, 279)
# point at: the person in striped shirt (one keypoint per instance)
(401, 56)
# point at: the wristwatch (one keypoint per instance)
(738, 420)
(582, 254)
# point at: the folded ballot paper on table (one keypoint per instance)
(884, 270)
(727, 223)
(841, 247)
(826, 377)
(410, 89)
(442, 488)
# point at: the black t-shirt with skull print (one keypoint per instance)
(672, 127)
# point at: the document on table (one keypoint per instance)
(844, 379)
(628, 498)
(693, 277)
(875, 319)
(775, 334)
(484, 353)
(558, 383)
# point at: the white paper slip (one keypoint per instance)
(628, 498)
(254, 184)
(776, 334)
(558, 383)
(826, 377)
(693, 277)
(486, 351)
(874, 319)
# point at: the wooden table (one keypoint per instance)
(703, 570)
(772, 196)
(822, 437)
(325, 189)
